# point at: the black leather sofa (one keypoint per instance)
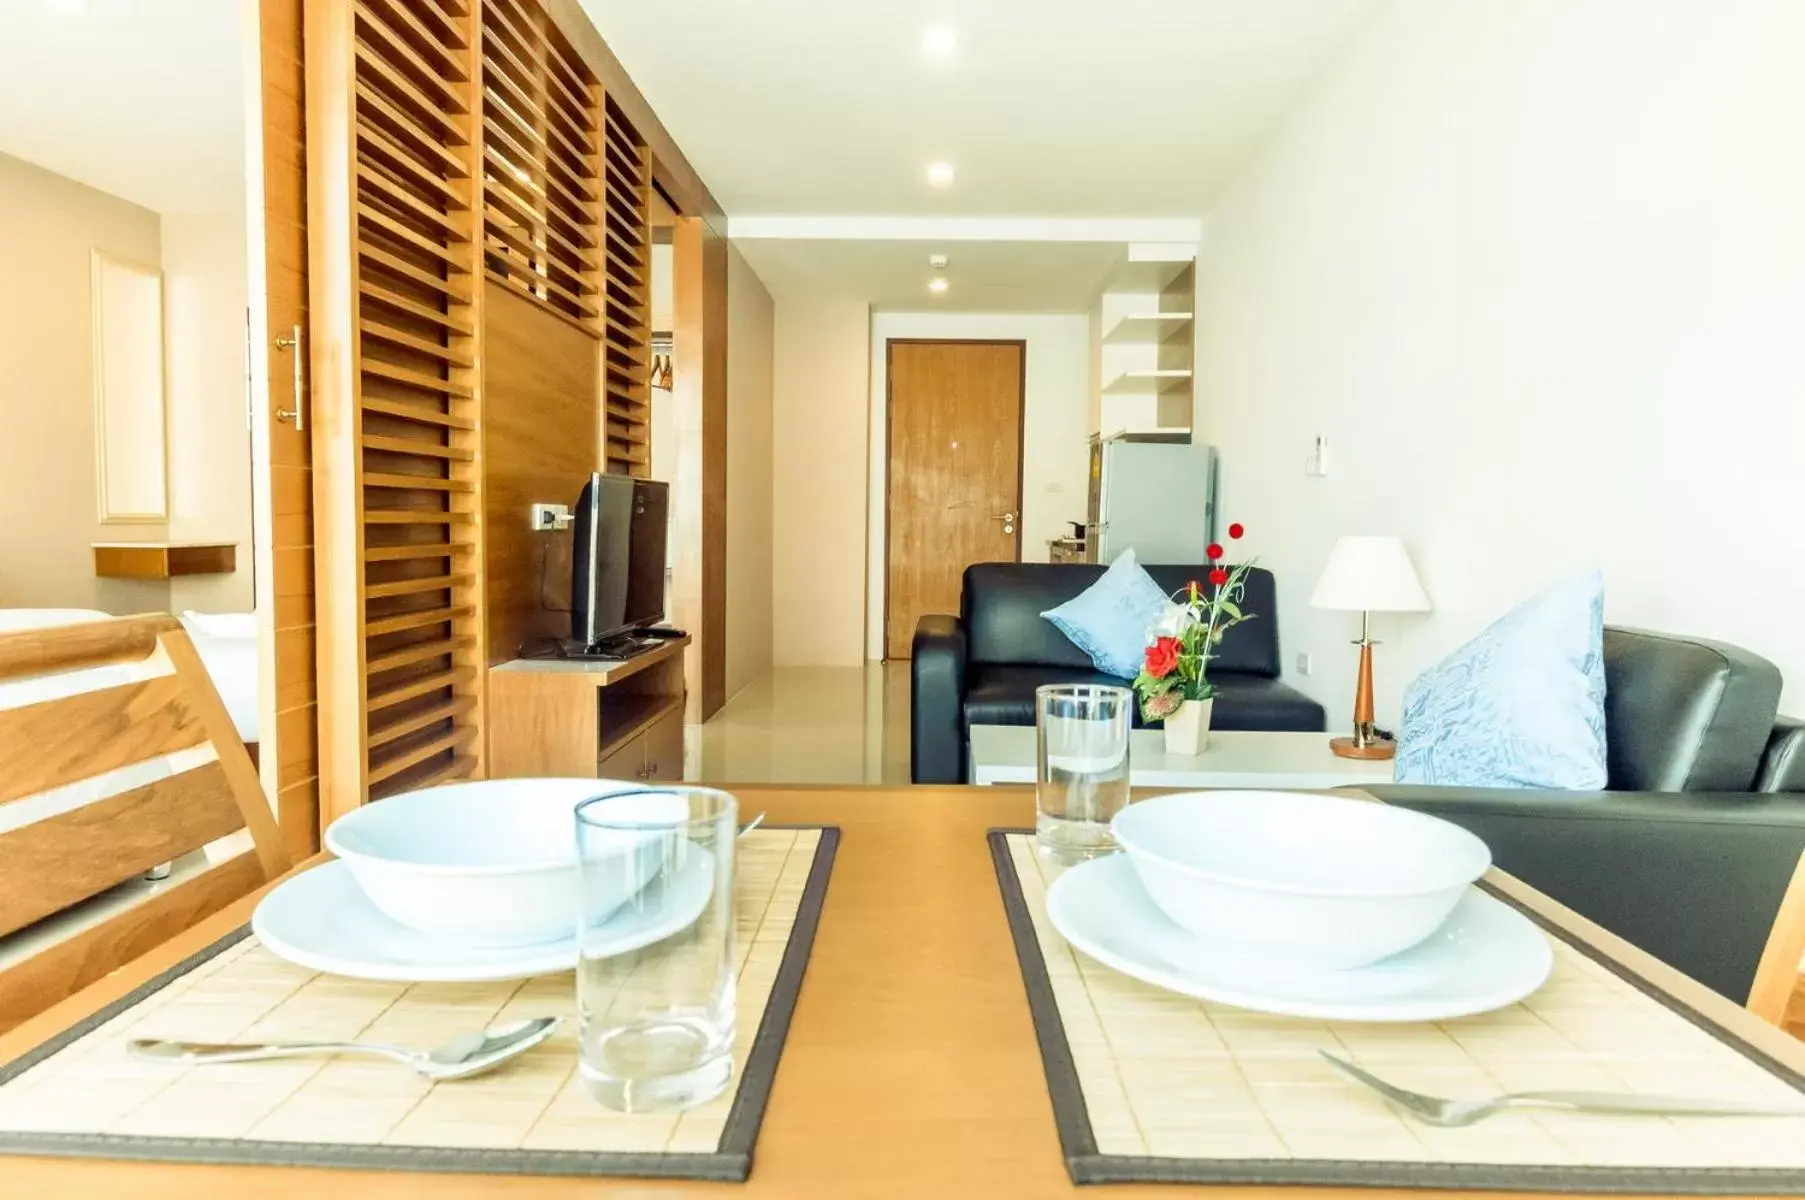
(981, 667)
(1689, 851)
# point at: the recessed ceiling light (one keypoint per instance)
(940, 41)
(937, 261)
(940, 174)
(937, 284)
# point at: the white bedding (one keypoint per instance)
(227, 644)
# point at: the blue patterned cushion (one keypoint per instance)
(1109, 619)
(1519, 706)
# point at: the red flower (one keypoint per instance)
(1236, 530)
(1215, 551)
(1218, 577)
(1162, 657)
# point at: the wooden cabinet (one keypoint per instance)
(656, 752)
(589, 720)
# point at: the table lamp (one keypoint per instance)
(1368, 575)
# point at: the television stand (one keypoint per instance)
(589, 718)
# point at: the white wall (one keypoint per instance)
(820, 407)
(1055, 428)
(204, 297)
(49, 519)
(750, 376)
(1537, 270)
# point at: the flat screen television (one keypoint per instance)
(618, 559)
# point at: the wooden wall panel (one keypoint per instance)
(283, 544)
(394, 149)
(700, 395)
(541, 395)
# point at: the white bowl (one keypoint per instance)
(492, 863)
(1319, 880)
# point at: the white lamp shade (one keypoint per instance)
(1370, 574)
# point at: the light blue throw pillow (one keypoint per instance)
(1109, 619)
(1519, 706)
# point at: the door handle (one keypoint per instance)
(292, 343)
(1007, 518)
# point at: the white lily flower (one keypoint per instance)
(1174, 621)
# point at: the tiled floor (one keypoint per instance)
(809, 725)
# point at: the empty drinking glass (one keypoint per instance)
(655, 972)
(1082, 782)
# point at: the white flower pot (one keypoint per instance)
(1188, 729)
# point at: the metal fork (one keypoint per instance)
(1435, 1110)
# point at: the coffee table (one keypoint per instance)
(1235, 759)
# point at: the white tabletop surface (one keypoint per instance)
(1005, 754)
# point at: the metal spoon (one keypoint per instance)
(471, 1054)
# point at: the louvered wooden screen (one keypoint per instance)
(412, 442)
(541, 154)
(627, 296)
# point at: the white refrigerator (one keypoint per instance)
(1155, 492)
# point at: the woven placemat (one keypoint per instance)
(1151, 1086)
(80, 1094)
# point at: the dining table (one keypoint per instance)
(911, 1066)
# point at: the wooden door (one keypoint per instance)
(954, 477)
(282, 475)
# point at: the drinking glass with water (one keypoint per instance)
(1082, 782)
(656, 956)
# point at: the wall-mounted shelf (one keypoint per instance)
(1148, 329)
(1148, 383)
(1147, 275)
(164, 560)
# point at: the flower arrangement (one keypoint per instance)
(1176, 668)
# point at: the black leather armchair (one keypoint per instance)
(981, 667)
(1681, 855)
(1694, 878)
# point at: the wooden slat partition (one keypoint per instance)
(541, 116)
(627, 295)
(396, 133)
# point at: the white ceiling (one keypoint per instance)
(1012, 277)
(1049, 107)
(140, 98)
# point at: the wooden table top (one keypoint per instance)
(910, 1070)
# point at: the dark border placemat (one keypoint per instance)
(731, 1161)
(1086, 1164)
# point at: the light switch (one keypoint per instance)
(1317, 464)
(1303, 664)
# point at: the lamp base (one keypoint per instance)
(1347, 747)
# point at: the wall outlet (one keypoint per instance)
(1303, 664)
(547, 518)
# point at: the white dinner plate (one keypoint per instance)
(322, 920)
(1486, 956)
